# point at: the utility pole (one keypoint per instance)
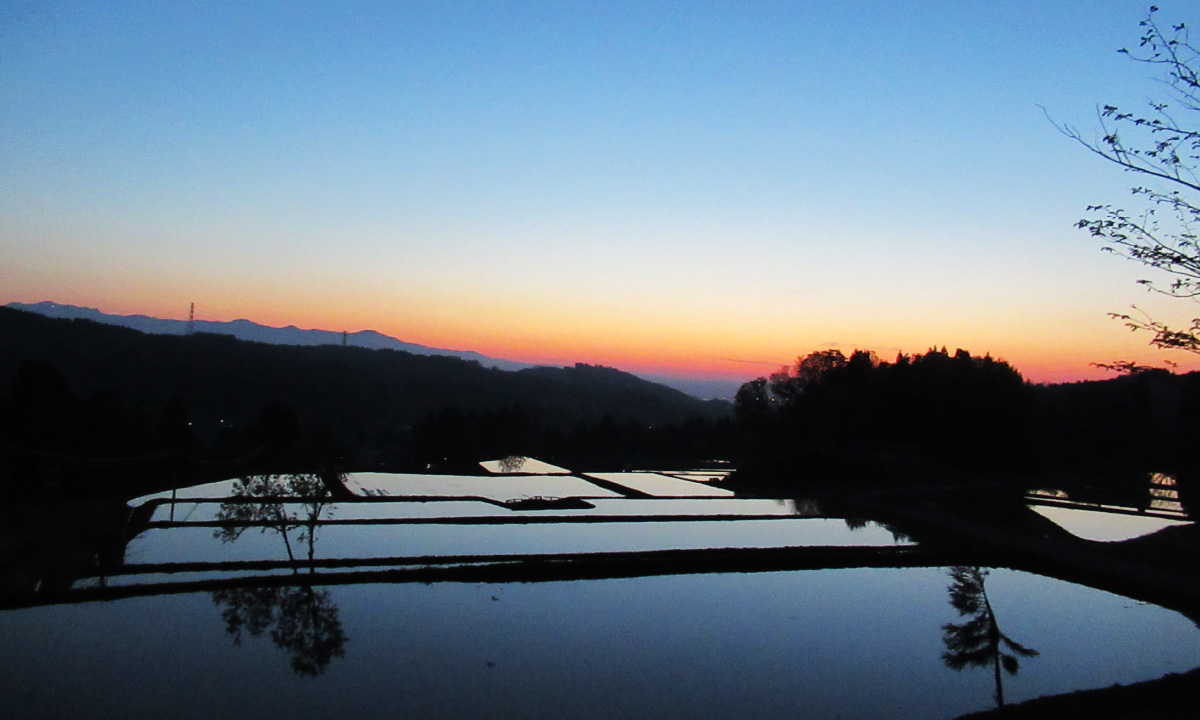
(191, 329)
(343, 338)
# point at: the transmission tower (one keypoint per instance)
(191, 330)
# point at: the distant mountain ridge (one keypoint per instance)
(370, 339)
(75, 389)
(249, 330)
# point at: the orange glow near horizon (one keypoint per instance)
(653, 325)
(659, 343)
(558, 205)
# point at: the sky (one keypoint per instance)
(703, 189)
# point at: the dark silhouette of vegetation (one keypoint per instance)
(978, 642)
(93, 409)
(1161, 145)
(946, 418)
(1141, 421)
(95, 406)
(833, 415)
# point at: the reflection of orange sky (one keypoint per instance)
(709, 341)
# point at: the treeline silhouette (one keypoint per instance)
(84, 403)
(958, 417)
(86, 407)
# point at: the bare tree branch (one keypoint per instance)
(1158, 143)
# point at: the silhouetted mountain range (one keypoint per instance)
(370, 339)
(82, 388)
(249, 330)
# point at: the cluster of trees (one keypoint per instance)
(829, 414)
(959, 416)
(1145, 420)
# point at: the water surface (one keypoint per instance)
(290, 605)
(824, 644)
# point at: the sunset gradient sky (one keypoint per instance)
(705, 189)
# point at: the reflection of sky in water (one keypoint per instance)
(207, 511)
(699, 475)
(1102, 526)
(527, 465)
(687, 506)
(197, 544)
(220, 489)
(656, 484)
(496, 487)
(854, 643)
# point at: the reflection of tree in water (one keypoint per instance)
(855, 524)
(301, 620)
(978, 642)
(805, 507)
(512, 463)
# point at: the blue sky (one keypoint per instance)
(640, 184)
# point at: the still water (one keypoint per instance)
(854, 643)
(862, 642)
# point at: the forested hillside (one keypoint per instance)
(959, 417)
(79, 388)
